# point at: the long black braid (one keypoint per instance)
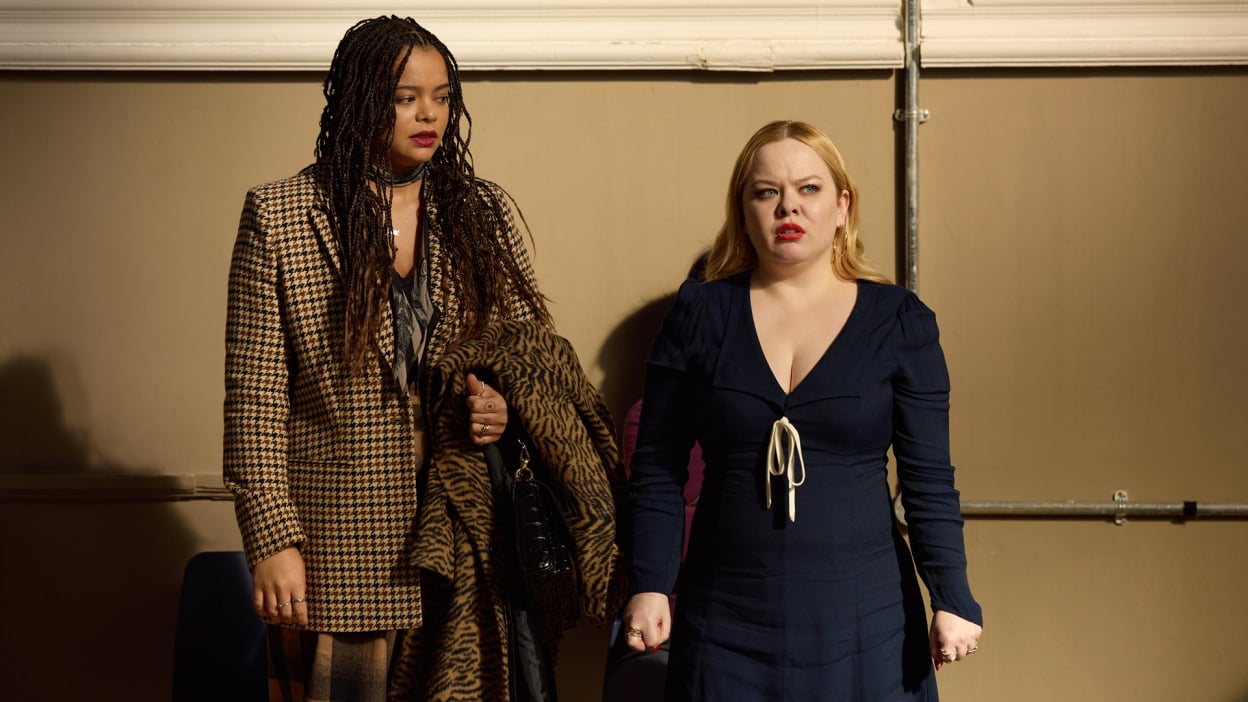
(357, 126)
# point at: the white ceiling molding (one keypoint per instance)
(1083, 33)
(730, 35)
(233, 35)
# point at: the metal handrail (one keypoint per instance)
(176, 488)
(1118, 509)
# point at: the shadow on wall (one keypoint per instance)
(623, 356)
(624, 353)
(90, 590)
(34, 437)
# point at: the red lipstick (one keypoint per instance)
(425, 139)
(789, 232)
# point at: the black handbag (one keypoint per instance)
(545, 554)
(543, 599)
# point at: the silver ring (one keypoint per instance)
(298, 600)
(483, 387)
(972, 649)
(283, 604)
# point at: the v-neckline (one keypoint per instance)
(758, 342)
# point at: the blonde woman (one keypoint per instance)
(796, 367)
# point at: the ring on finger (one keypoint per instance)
(485, 429)
(282, 605)
(482, 393)
(972, 649)
(297, 600)
(633, 632)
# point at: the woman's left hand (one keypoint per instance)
(953, 638)
(487, 412)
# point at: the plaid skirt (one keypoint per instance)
(310, 666)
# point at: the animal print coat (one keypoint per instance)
(460, 653)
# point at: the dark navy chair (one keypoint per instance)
(219, 650)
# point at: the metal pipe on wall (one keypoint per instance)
(910, 115)
(1119, 508)
(1169, 510)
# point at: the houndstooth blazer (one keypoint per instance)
(316, 455)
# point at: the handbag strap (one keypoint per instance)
(523, 472)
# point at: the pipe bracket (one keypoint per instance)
(1120, 507)
(920, 115)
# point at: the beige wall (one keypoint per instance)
(1081, 244)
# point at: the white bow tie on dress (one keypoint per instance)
(785, 444)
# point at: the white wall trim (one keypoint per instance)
(732, 35)
(1093, 33)
(754, 35)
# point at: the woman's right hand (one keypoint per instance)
(280, 588)
(647, 621)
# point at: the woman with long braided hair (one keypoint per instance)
(348, 280)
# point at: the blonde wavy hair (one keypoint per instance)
(732, 252)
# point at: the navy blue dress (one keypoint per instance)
(825, 606)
